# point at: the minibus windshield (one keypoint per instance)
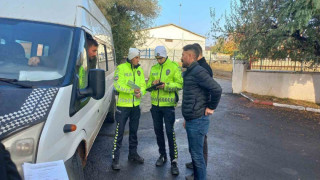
(33, 51)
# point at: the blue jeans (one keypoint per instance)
(196, 130)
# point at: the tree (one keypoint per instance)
(127, 18)
(273, 29)
(218, 46)
(230, 46)
(225, 46)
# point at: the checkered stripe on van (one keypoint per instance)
(33, 110)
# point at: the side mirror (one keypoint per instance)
(96, 85)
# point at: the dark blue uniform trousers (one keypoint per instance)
(166, 115)
(122, 115)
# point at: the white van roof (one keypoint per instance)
(75, 13)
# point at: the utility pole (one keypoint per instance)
(180, 13)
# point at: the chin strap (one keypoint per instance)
(129, 61)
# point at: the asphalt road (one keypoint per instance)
(246, 141)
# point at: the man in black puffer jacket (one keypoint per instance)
(201, 96)
(203, 63)
(8, 170)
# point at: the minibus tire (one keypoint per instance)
(111, 116)
(74, 167)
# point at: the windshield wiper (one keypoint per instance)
(15, 82)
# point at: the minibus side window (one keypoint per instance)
(111, 62)
(82, 70)
(106, 54)
(102, 57)
(84, 64)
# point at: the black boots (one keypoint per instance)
(115, 164)
(132, 157)
(174, 168)
(161, 160)
(174, 165)
(136, 158)
(189, 165)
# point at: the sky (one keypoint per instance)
(195, 14)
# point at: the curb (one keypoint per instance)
(269, 103)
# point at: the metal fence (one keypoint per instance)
(147, 53)
(175, 55)
(309, 65)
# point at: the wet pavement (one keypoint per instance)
(246, 141)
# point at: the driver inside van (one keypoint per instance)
(92, 53)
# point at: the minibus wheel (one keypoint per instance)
(74, 167)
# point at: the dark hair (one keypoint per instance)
(193, 48)
(92, 42)
(199, 48)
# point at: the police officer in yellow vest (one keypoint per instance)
(130, 83)
(163, 99)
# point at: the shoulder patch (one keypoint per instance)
(168, 72)
(116, 78)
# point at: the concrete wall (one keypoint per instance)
(293, 85)
(146, 65)
(239, 76)
(176, 44)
